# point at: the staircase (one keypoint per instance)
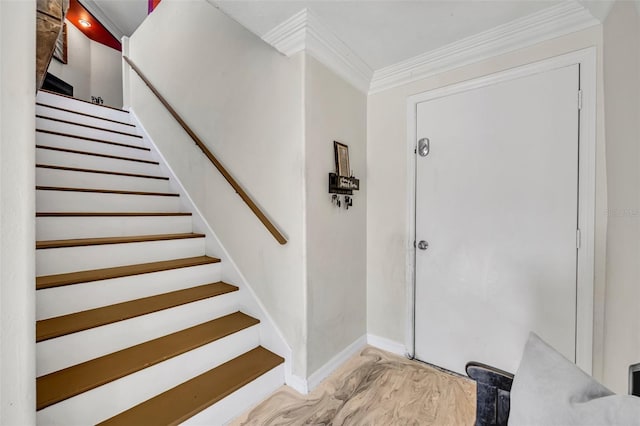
(134, 325)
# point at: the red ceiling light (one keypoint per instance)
(80, 17)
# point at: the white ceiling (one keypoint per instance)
(383, 33)
(380, 32)
(120, 17)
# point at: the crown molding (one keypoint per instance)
(549, 23)
(304, 32)
(289, 37)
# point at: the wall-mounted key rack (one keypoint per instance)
(340, 185)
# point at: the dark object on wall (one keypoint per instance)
(493, 394)
(342, 184)
(60, 52)
(341, 152)
(54, 84)
(634, 379)
(49, 19)
(342, 181)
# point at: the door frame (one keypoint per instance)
(586, 58)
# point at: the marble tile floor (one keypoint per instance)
(373, 388)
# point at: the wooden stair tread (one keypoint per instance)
(108, 214)
(95, 154)
(60, 385)
(86, 138)
(105, 172)
(84, 114)
(79, 321)
(60, 120)
(81, 242)
(106, 191)
(82, 100)
(189, 398)
(49, 281)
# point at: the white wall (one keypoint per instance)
(245, 101)
(387, 212)
(77, 70)
(621, 61)
(336, 238)
(93, 69)
(271, 120)
(17, 212)
(106, 74)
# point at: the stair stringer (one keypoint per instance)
(271, 337)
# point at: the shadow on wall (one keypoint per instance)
(92, 69)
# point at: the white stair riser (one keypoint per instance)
(57, 141)
(53, 302)
(89, 132)
(64, 228)
(56, 354)
(108, 400)
(239, 401)
(92, 162)
(69, 201)
(73, 179)
(87, 108)
(72, 259)
(83, 119)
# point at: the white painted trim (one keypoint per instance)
(289, 36)
(549, 23)
(586, 58)
(586, 212)
(299, 384)
(410, 261)
(334, 363)
(305, 32)
(387, 344)
(271, 336)
(126, 75)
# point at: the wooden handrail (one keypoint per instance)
(235, 185)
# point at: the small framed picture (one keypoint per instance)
(342, 159)
(60, 52)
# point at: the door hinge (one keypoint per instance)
(578, 239)
(579, 100)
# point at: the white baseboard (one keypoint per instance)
(299, 384)
(305, 386)
(386, 344)
(323, 372)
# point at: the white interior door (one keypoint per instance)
(497, 202)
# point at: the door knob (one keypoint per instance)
(424, 147)
(423, 245)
